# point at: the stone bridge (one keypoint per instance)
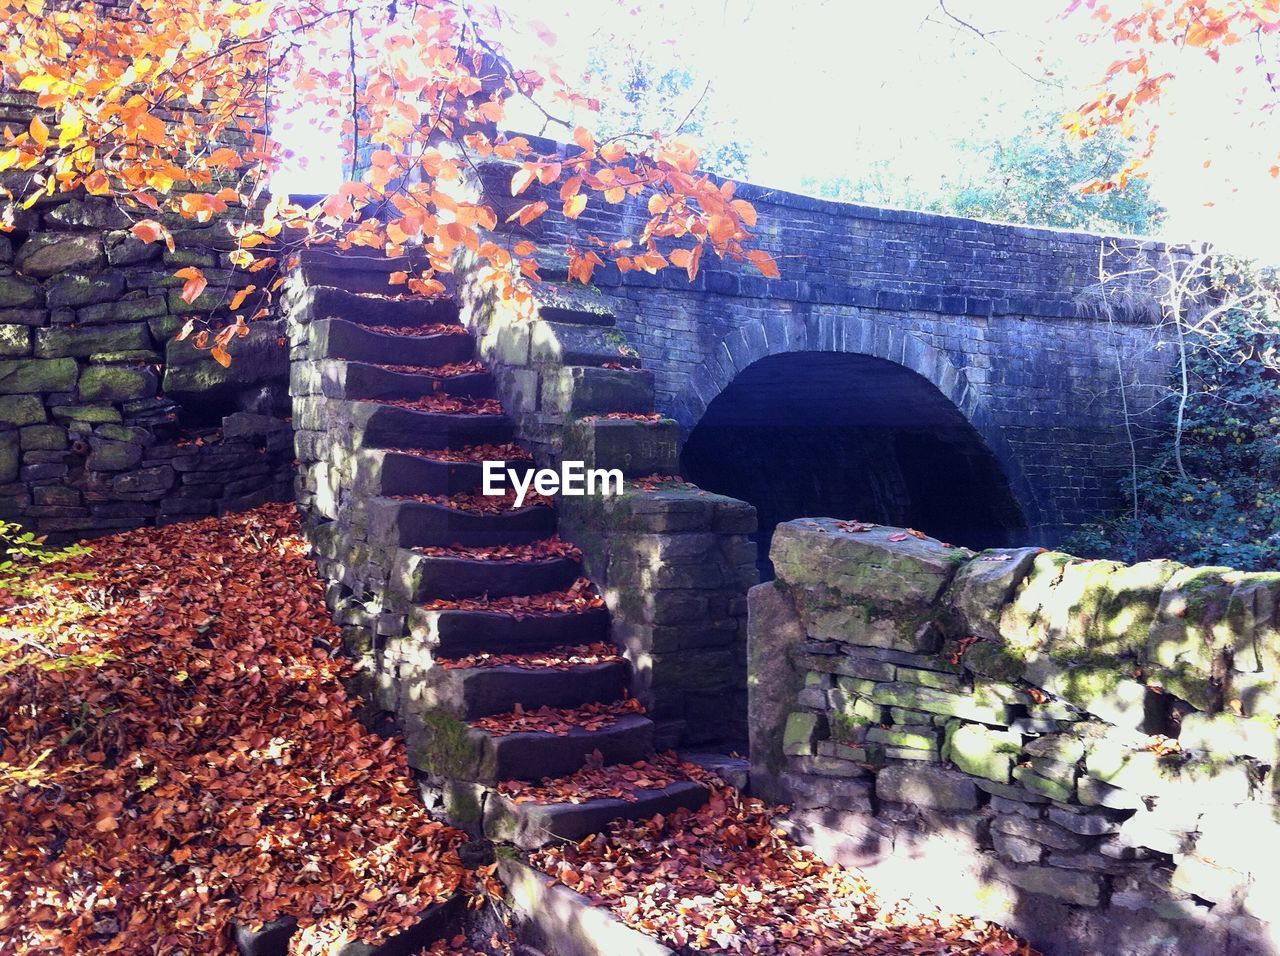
(908, 368)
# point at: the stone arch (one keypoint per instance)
(869, 337)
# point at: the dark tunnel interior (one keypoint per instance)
(822, 434)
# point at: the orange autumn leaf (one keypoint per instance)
(194, 283)
(574, 205)
(237, 300)
(764, 263)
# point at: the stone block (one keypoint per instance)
(18, 293)
(1227, 734)
(1083, 822)
(112, 455)
(10, 459)
(256, 358)
(981, 751)
(1016, 849)
(1199, 877)
(37, 375)
(927, 786)
(1190, 625)
(1054, 789)
(43, 438)
(153, 480)
(773, 630)
(974, 707)
(636, 447)
(983, 586)
(1041, 831)
(51, 253)
(1075, 888)
(133, 308)
(83, 341)
(78, 289)
(1101, 690)
(15, 340)
(21, 410)
(117, 383)
(125, 249)
(575, 391)
(906, 738)
(864, 566)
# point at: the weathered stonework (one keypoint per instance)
(991, 315)
(1085, 752)
(99, 430)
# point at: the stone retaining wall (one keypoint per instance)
(106, 422)
(1082, 750)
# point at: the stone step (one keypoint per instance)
(353, 271)
(457, 633)
(420, 577)
(390, 426)
(341, 339)
(635, 446)
(559, 920)
(336, 378)
(536, 755)
(471, 692)
(531, 825)
(575, 391)
(385, 471)
(326, 302)
(436, 922)
(566, 343)
(406, 523)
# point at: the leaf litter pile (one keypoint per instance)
(595, 780)
(623, 417)
(579, 596)
(212, 768)
(482, 504)
(558, 720)
(548, 549)
(444, 404)
(564, 657)
(725, 880)
(451, 370)
(433, 328)
(507, 451)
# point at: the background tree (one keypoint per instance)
(1240, 35)
(634, 95)
(1209, 495)
(1035, 178)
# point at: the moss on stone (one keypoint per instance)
(845, 725)
(443, 745)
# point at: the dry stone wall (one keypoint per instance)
(1082, 750)
(106, 422)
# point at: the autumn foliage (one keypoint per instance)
(1147, 34)
(170, 107)
(211, 767)
(726, 880)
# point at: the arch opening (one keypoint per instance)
(844, 435)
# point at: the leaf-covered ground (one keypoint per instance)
(189, 757)
(211, 769)
(725, 880)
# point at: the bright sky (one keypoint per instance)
(823, 89)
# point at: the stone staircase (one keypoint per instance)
(468, 616)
